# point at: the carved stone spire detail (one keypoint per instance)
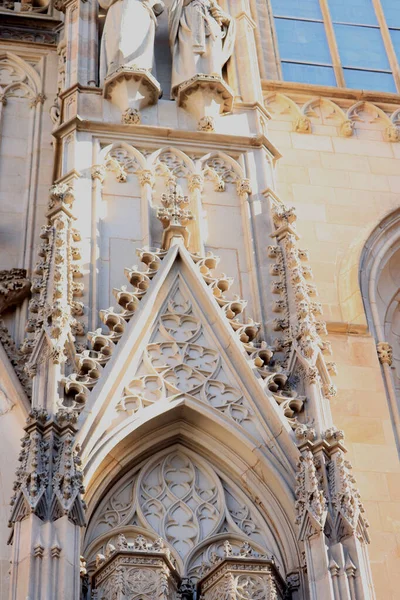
(311, 505)
(56, 287)
(174, 215)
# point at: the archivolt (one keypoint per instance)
(194, 498)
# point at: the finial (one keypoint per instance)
(174, 216)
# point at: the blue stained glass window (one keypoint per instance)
(369, 80)
(395, 34)
(308, 74)
(361, 47)
(305, 9)
(391, 8)
(302, 41)
(353, 11)
(304, 49)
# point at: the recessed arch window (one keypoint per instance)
(345, 43)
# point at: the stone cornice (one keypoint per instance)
(20, 28)
(306, 89)
(144, 133)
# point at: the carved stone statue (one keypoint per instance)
(128, 36)
(201, 37)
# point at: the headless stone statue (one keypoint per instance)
(201, 38)
(128, 36)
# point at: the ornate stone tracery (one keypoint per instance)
(178, 497)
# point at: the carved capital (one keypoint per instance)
(39, 99)
(99, 172)
(146, 177)
(61, 194)
(303, 125)
(196, 182)
(347, 128)
(385, 353)
(243, 186)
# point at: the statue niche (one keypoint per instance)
(201, 37)
(127, 53)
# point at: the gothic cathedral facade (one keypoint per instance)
(199, 300)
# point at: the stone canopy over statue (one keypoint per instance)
(201, 37)
(128, 36)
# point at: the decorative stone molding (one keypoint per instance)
(49, 480)
(300, 326)
(63, 5)
(385, 353)
(361, 111)
(311, 504)
(90, 363)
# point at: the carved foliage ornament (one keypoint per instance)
(311, 505)
(49, 479)
(92, 361)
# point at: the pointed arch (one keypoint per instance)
(227, 168)
(320, 101)
(129, 158)
(21, 75)
(228, 387)
(380, 289)
(269, 500)
(288, 105)
(354, 112)
(171, 161)
(346, 125)
(391, 131)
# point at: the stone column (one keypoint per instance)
(80, 37)
(196, 182)
(247, 73)
(146, 179)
